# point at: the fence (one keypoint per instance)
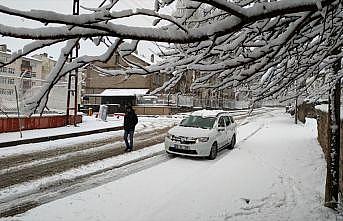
(190, 101)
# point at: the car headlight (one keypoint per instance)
(202, 139)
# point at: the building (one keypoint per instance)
(58, 95)
(28, 75)
(24, 74)
(102, 89)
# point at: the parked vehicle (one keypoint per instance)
(203, 133)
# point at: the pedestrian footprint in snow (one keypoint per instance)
(130, 121)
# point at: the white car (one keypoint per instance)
(203, 133)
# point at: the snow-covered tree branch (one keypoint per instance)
(280, 48)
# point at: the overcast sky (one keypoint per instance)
(66, 6)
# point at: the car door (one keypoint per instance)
(221, 132)
(229, 129)
(233, 126)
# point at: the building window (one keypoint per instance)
(3, 69)
(11, 70)
(3, 58)
(5, 80)
(10, 81)
(2, 80)
(6, 91)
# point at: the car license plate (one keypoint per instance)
(181, 147)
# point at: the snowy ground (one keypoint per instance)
(276, 172)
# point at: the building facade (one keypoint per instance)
(24, 75)
(96, 83)
(28, 75)
(58, 95)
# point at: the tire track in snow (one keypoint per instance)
(55, 190)
(250, 135)
(18, 158)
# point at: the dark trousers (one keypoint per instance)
(126, 134)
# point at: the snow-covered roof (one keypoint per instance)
(146, 60)
(123, 92)
(207, 113)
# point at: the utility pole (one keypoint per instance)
(73, 75)
(296, 111)
(18, 111)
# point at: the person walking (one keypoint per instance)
(130, 121)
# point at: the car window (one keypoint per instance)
(227, 120)
(198, 121)
(232, 121)
(221, 122)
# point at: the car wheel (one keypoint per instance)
(233, 142)
(214, 152)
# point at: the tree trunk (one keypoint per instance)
(332, 176)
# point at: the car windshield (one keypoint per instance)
(198, 121)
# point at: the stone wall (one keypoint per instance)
(306, 110)
(323, 139)
(323, 136)
(322, 128)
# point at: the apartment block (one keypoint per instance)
(25, 73)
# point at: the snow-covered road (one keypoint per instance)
(276, 172)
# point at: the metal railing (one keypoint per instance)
(191, 101)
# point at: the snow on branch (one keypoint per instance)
(227, 6)
(278, 48)
(89, 23)
(38, 103)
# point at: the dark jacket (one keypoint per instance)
(130, 120)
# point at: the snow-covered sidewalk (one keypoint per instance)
(276, 172)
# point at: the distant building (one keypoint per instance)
(95, 83)
(25, 73)
(47, 64)
(58, 95)
(29, 74)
